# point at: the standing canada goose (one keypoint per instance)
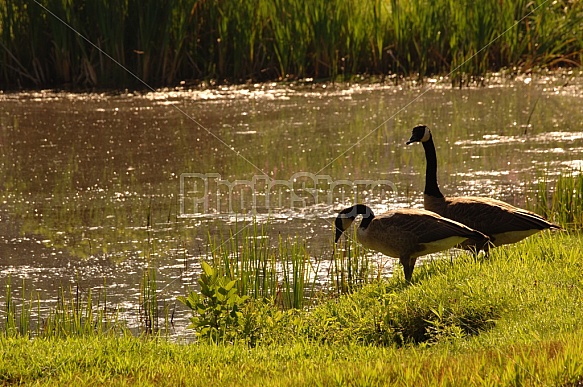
(405, 233)
(500, 221)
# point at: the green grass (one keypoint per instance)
(163, 43)
(510, 319)
(130, 361)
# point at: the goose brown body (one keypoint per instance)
(500, 221)
(405, 233)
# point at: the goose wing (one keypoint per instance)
(427, 226)
(492, 216)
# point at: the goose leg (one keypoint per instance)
(408, 266)
(486, 249)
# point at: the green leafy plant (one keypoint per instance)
(217, 307)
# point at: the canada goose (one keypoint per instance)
(500, 221)
(404, 233)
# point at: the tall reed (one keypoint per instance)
(165, 42)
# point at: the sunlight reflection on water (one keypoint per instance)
(92, 181)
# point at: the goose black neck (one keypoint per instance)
(360, 209)
(431, 187)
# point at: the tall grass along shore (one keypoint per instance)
(90, 44)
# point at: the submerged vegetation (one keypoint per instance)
(48, 43)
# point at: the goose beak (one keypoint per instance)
(419, 133)
(413, 139)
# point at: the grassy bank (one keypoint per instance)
(163, 43)
(511, 319)
(129, 361)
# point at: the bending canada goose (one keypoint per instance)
(500, 221)
(404, 233)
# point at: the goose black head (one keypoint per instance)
(347, 216)
(420, 133)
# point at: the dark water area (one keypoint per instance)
(95, 188)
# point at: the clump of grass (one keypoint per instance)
(562, 202)
(262, 271)
(17, 321)
(284, 271)
(296, 268)
(351, 267)
(149, 312)
(81, 313)
(73, 315)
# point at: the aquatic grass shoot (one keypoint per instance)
(352, 266)
(17, 321)
(149, 312)
(296, 272)
(78, 312)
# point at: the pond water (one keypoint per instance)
(97, 187)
